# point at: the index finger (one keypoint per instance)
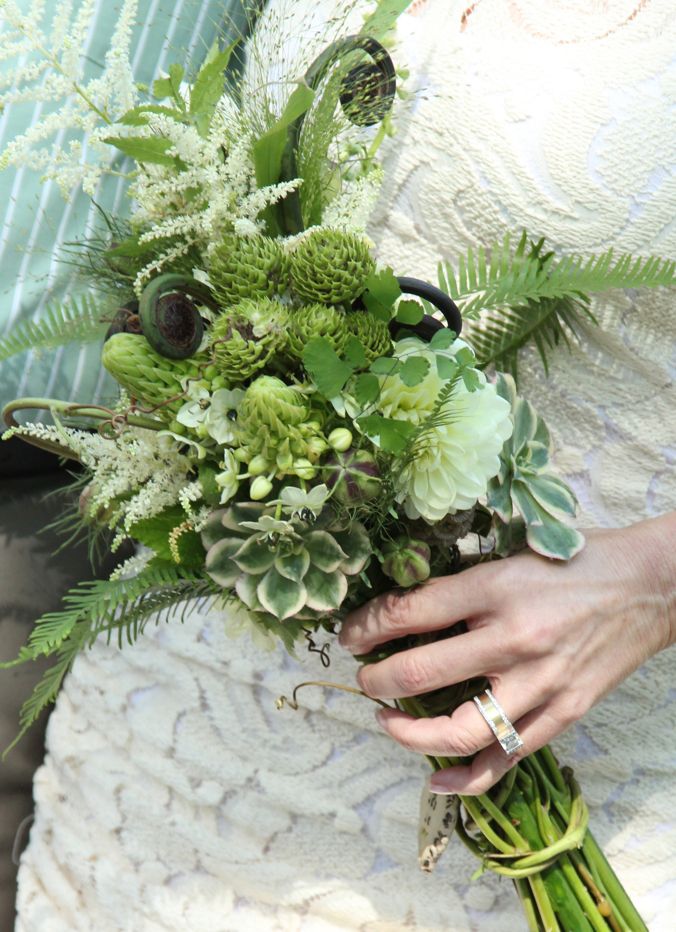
(434, 605)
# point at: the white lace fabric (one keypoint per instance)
(174, 794)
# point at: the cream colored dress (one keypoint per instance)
(174, 795)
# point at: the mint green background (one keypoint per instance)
(35, 222)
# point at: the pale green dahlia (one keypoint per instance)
(457, 459)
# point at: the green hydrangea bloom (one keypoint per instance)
(330, 267)
(243, 267)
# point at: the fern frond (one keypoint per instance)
(76, 322)
(510, 296)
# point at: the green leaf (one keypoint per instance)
(552, 494)
(280, 596)
(171, 85)
(138, 116)
(385, 365)
(414, 370)
(443, 339)
(327, 370)
(409, 312)
(554, 540)
(219, 563)
(447, 367)
(325, 552)
(356, 543)
(325, 591)
(209, 87)
(499, 499)
(78, 321)
(394, 436)
(254, 556)
(269, 149)
(366, 389)
(293, 565)
(382, 290)
(354, 353)
(152, 150)
(384, 17)
(154, 532)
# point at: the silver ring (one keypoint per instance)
(500, 725)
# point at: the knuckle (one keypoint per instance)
(571, 709)
(410, 675)
(396, 611)
(462, 742)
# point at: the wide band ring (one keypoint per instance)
(500, 725)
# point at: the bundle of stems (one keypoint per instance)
(533, 827)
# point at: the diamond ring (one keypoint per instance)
(500, 725)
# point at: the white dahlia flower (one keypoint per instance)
(452, 469)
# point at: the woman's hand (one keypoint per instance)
(552, 638)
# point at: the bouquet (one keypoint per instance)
(298, 428)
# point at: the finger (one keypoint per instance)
(431, 666)
(536, 729)
(436, 604)
(462, 734)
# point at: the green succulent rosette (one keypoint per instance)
(245, 338)
(284, 569)
(153, 379)
(317, 320)
(525, 480)
(372, 333)
(244, 267)
(330, 267)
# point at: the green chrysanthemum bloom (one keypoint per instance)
(317, 320)
(246, 337)
(146, 375)
(372, 333)
(277, 427)
(331, 267)
(244, 267)
(283, 569)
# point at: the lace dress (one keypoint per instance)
(174, 795)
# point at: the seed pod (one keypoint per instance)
(407, 561)
(126, 320)
(170, 319)
(354, 476)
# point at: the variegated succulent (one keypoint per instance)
(544, 502)
(284, 568)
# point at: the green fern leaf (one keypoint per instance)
(510, 297)
(77, 322)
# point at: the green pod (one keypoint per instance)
(170, 319)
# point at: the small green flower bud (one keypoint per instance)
(304, 469)
(315, 447)
(260, 488)
(219, 382)
(210, 373)
(258, 465)
(201, 431)
(340, 439)
(407, 561)
(241, 455)
(176, 427)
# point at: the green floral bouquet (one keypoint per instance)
(298, 429)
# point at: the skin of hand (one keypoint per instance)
(553, 638)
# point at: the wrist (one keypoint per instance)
(654, 547)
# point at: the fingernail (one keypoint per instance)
(381, 717)
(439, 786)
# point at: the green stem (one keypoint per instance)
(613, 888)
(526, 896)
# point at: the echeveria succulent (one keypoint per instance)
(243, 267)
(545, 503)
(331, 267)
(283, 568)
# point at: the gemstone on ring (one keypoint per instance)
(500, 725)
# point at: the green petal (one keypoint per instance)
(325, 591)
(254, 556)
(219, 563)
(356, 544)
(325, 552)
(280, 596)
(293, 566)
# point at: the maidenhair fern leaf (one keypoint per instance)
(76, 322)
(510, 296)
